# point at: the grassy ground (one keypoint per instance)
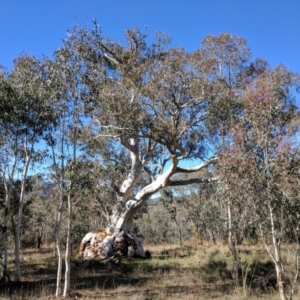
(199, 272)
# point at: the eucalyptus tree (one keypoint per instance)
(261, 167)
(225, 59)
(6, 101)
(28, 112)
(69, 166)
(154, 103)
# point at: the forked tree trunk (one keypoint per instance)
(119, 238)
(277, 258)
(275, 255)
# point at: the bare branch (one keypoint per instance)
(107, 135)
(115, 127)
(191, 181)
(111, 56)
(197, 168)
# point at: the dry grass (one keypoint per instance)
(187, 272)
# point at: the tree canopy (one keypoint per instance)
(137, 118)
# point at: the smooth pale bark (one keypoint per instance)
(68, 249)
(277, 258)
(119, 234)
(58, 247)
(296, 270)
(69, 224)
(275, 255)
(60, 182)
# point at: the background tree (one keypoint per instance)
(223, 60)
(260, 167)
(31, 112)
(70, 166)
(7, 97)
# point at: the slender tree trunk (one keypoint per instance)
(177, 224)
(19, 221)
(232, 243)
(68, 248)
(4, 273)
(58, 247)
(296, 268)
(40, 235)
(8, 195)
(277, 258)
(60, 183)
(17, 243)
(70, 209)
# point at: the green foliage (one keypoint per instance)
(101, 112)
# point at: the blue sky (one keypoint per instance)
(271, 27)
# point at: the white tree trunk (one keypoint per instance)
(60, 183)
(68, 248)
(275, 254)
(58, 247)
(277, 258)
(119, 238)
